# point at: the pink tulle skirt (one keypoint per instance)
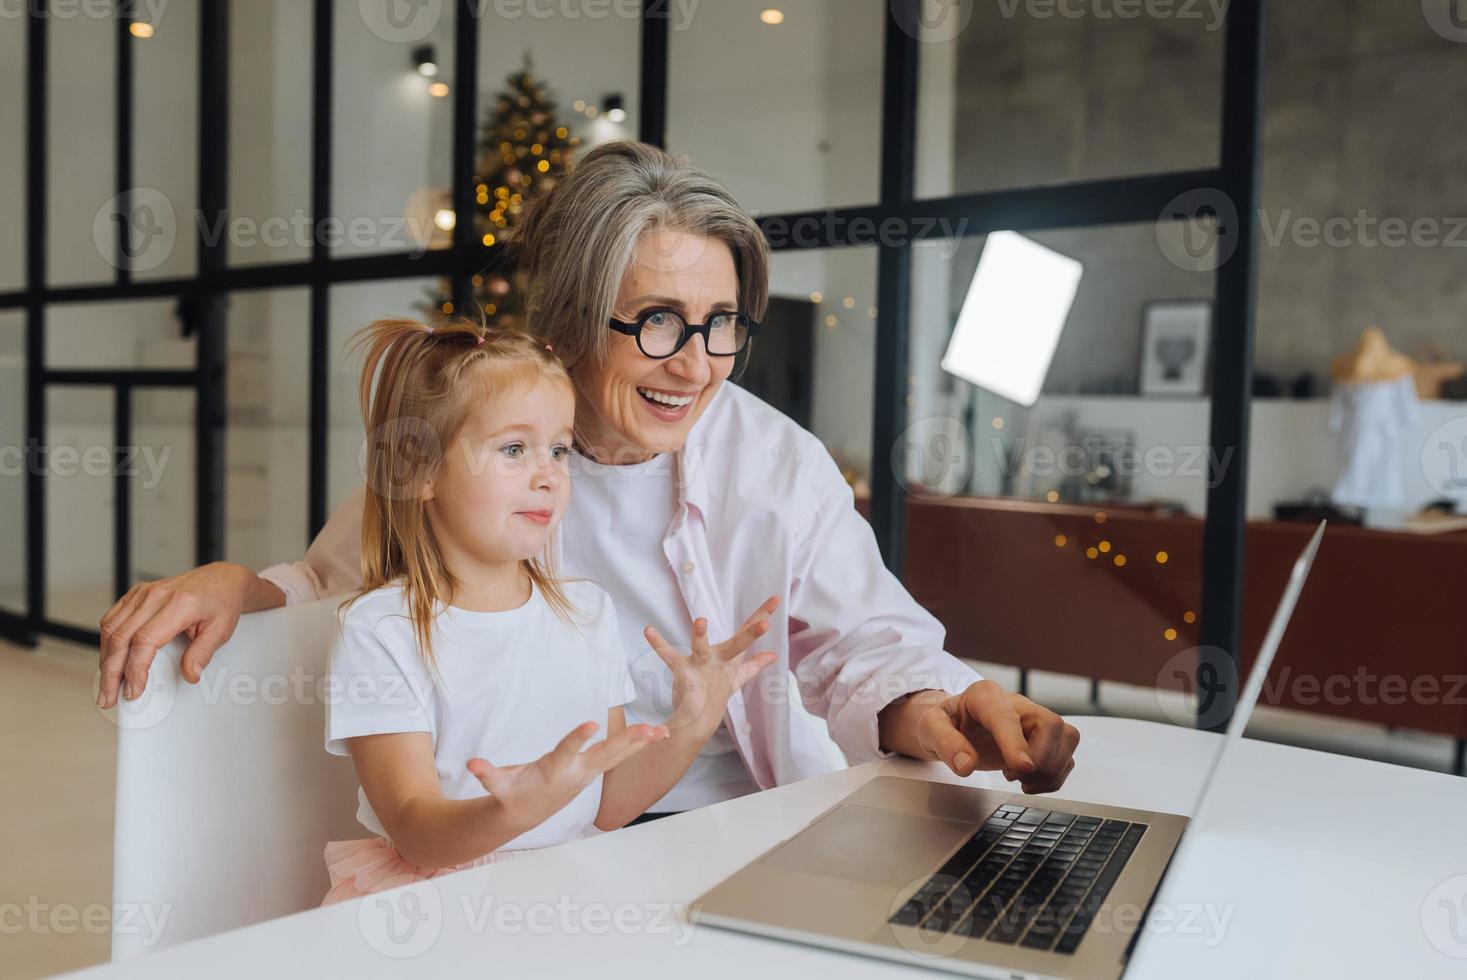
(372, 864)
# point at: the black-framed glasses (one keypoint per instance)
(661, 333)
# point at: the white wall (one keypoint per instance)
(12, 152)
(1292, 451)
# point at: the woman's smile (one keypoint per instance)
(666, 404)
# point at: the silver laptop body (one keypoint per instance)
(981, 882)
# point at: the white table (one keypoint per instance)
(1317, 865)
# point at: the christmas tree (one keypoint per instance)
(523, 151)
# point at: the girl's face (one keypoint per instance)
(503, 484)
(695, 276)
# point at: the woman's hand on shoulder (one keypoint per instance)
(204, 603)
(704, 680)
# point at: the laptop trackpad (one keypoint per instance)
(862, 843)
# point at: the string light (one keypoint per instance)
(1170, 634)
(771, 16)
(1161, 557)
(1091, 553)
(1104, 547)
(140, 29)
(1189, 617)
(1060, 540)
(1120, 560)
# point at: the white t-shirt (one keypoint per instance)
(512, 685)
(613, 534)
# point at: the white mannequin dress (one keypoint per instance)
(1371, 418)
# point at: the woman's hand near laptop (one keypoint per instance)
(204, 603)
(983, 728)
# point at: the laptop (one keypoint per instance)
(980, 882)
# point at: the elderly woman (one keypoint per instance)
(692, 498)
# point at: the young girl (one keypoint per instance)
(463, 663)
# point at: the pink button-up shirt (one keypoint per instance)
(762, 510)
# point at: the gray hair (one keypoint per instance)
(577, 244)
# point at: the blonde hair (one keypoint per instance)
(576, 244)
(427, 380)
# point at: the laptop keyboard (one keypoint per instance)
(1028, 877)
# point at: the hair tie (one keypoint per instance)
(550, 348)
(480, 341)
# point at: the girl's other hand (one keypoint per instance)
(704, 681)
(530, 792)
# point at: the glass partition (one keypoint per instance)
(1022, 94)
(14, 465)
(1063, 535)
(795, 123)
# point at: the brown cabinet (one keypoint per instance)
(1380, 633)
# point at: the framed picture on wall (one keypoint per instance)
(1175, 340)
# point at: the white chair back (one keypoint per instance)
(225, 793)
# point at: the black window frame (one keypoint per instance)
(202, 297)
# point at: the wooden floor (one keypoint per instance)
(59, 757)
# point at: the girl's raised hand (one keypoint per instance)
(704, 680)
(532, 791)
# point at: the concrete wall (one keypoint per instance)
(1363, 112)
